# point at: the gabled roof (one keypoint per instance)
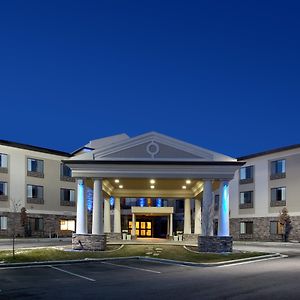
(156, 146)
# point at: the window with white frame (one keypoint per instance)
(67, 197)
(246, 197)
(65, 171)
(35, 165)
(67, 225)
(278, 194)
(35, 191)
(3, 222)
(3, 160)
(246, 173)
(246, 227)
(3, 188)
(278, 167)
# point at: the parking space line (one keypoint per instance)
(130, 267)
(71, 273)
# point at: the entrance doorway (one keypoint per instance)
(156, 227)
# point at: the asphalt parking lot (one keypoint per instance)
(137, 279)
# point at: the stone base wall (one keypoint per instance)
(89, 242)
(215, 244)
(192, 238)
(113, 236)
(51, 225)
(261, 229)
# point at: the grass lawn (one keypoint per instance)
(159, 251)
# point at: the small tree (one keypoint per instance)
(15, 208)
(285, 221)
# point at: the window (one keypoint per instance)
(278, 194)
(66, 173)
(246, 174)
(67, 225)
(217, 200)
(3, 160)
(3, 223)
(246, 199)
(38, 224)
(35, 167)
(3, 188)
(67, 197)
(35, 194)
(278, 169)
(276, 227)
(246, 228)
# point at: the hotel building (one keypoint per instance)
(147, 186)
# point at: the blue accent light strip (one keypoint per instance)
(158, 202)
(112, 201)
(224, 213)
(142, 202)
(89, 199)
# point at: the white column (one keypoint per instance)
(81, 216)
(106, 216)
(117, 216)
(223, 222)
(197, 229)
(133, 226)
(187, 217)
(97, 225)
(171, 225)
(207, 209)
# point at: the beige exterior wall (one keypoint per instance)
(262, 185)
(17, 182)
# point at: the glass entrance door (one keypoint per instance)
(142, 228)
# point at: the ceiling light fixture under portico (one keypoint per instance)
(152, 187)
(152, 181)
(184, 187)
(117, 180)
(188, 181)
(120, 186)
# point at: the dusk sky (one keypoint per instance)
(224, 75)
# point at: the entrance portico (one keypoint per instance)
(151, 166)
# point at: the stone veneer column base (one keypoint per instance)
(215, 244)
(90, 242)
(190, 237)
(113, 236)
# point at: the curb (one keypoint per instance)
(142, 258)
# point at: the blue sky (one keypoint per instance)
(219, 74)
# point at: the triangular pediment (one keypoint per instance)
(156, 146)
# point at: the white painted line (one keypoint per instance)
(23, 267)
(129, 267)
(71, 273)
(250, 262)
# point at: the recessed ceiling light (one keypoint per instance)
(120, 186)
(184, 187)
(188, 181)
(117, 180)
(152, 186)
(152, 181)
